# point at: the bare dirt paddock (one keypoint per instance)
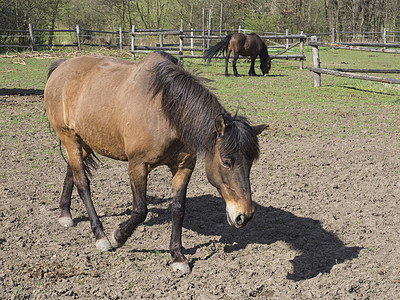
(327, 222)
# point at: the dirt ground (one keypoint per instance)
(327, 221)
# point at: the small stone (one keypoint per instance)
(94, 274)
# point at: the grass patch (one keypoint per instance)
(286, 99)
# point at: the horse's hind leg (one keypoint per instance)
(65, 202)
(235, 58)
(138, 179)
(181, 175)
(75, 154)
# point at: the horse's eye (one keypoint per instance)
(227, 163)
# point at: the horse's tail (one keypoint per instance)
(218, 48)
(54, 66)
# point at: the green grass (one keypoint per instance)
(21, 72)
(286, 99)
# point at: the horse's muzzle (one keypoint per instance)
(240, 221)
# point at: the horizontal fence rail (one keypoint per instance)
(357, 76)
(350, 73)
(370, 47)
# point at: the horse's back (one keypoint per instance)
(100, 74)
(246, 44)
(104, 101)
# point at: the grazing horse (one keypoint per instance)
(242, 44)
(148, 113)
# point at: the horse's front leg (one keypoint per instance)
(252, 72)
(181, 175)
(138, 180)
(228, 53)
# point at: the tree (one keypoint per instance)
(256, 15)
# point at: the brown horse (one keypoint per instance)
(242, 44)
(149, 113)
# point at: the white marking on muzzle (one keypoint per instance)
(231, 214)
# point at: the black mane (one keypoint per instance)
(191, 109)
(239, 135)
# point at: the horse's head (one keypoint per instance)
(265, 61)
(265, 66)
(228, 166)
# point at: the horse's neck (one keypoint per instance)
(264, 53)
(264, 49)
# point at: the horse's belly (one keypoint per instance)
(110, 148)
(131, 133)
(98, 125)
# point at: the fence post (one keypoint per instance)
(78, 33)
(384, 35)
(133, 42)
(333, 35)
(192, 41)
(204, 29)
(209, 27)
(181, 45)
(220, 20)
(315, 53)
(32, 38)
(287, 40)
(161, 40)
(301, 50)
(120, 39)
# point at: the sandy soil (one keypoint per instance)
(327, 220)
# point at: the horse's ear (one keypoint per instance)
(259, 128)
(220, 125)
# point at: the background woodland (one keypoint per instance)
(257, 15)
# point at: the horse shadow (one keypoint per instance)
(20, 92)
(245, 75)
(320, 249)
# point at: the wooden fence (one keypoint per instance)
(384, 36)
(185, 43)
(350, 73)
(34, 38)
(192, 43)
(181, 49)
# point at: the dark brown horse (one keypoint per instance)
(149, 113)
(242, 44)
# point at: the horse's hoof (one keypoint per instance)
(113, 241)
(181, 267)
(66, 221)
(104, 244)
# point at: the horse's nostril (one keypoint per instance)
(240, 219)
